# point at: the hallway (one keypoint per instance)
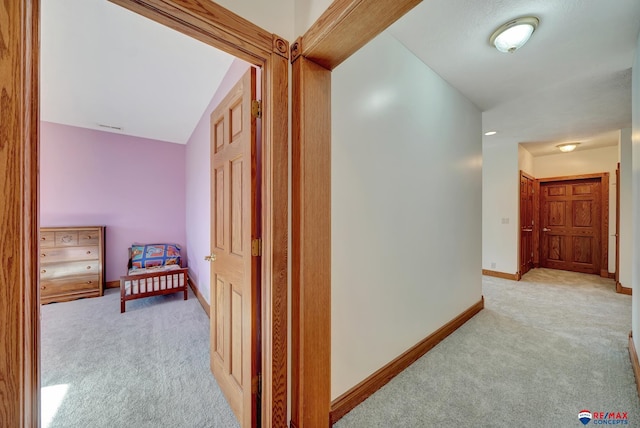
(542, 350)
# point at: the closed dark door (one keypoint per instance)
(526, 223)
(570, 217)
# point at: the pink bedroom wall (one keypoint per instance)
(199, 185)
(134, 186)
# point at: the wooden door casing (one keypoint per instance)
(571, 225)
(527, 209)
(235, 290)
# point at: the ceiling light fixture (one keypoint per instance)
(567, 147)
(490, 133)
(514, 34)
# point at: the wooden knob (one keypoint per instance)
(88, 252)
(42, 238)
(42, 287)
(89, 282)
(88, 267)
(43, 255)
(43, 271)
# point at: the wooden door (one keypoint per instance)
(526, 223)
(570, 233)
(234, 271)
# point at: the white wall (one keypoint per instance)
(198, 187)
(525, 160)
(500, 201)
(406, 218)
(307, 12)
(635, 137)
(579, 162)
(276, 16)
(626, 222)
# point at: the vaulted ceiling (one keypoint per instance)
(103, 66)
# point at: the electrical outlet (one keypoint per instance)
(505, 220)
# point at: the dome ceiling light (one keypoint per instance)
(514, 34)
(567, 147)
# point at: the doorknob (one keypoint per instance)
(546, 229)
(211, 258)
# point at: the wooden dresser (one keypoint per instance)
(71, 263)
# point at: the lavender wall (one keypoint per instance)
(134, 186)
(198, 191)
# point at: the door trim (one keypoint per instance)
(604, 217)
(535, 215)
(207, 22)
(341, 30)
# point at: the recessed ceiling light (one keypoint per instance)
(567, 147)
(489, 133)
(514, 34)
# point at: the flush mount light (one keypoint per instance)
(567, 147)
(514, 34)
(490, 133)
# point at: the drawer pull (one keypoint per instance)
(88, 252)
(42, 238)
(88, 267)
(43, 271)
(89, 282)
(43, 255)
(42, 287)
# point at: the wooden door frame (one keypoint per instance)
(604, 217)
(534, 226)
(341, 30)
(19, 223)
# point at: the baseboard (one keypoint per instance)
(612, 275)
(503, 275)
(112, 284)
(634, 361)
(622, 289)
(356, 395)
(604, 273)
(200, 298)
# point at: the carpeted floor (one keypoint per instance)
(148, 367)
(542, 350)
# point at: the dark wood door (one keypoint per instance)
(570, 217)
(526, 223)
(235, 304)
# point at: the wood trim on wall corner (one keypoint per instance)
(200, 297)
(635, 364)
(622, 289)
(112, 284)
(512, 276)
(356, 395)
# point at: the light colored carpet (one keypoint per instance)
(542, 350)
(148, 367)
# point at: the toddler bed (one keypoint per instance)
(154, 270)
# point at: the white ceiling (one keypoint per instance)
(571, 82)
(104, 65)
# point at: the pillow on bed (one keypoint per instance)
(154, 255)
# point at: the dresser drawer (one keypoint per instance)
(47, 239)
(57, 254)
(66, 238)
(65, 285)
(67, 269)
(88, 237)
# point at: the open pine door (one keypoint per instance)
(235, 275)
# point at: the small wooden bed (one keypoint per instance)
(153, 272)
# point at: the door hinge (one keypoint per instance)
(256, 108)
(256, 247)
